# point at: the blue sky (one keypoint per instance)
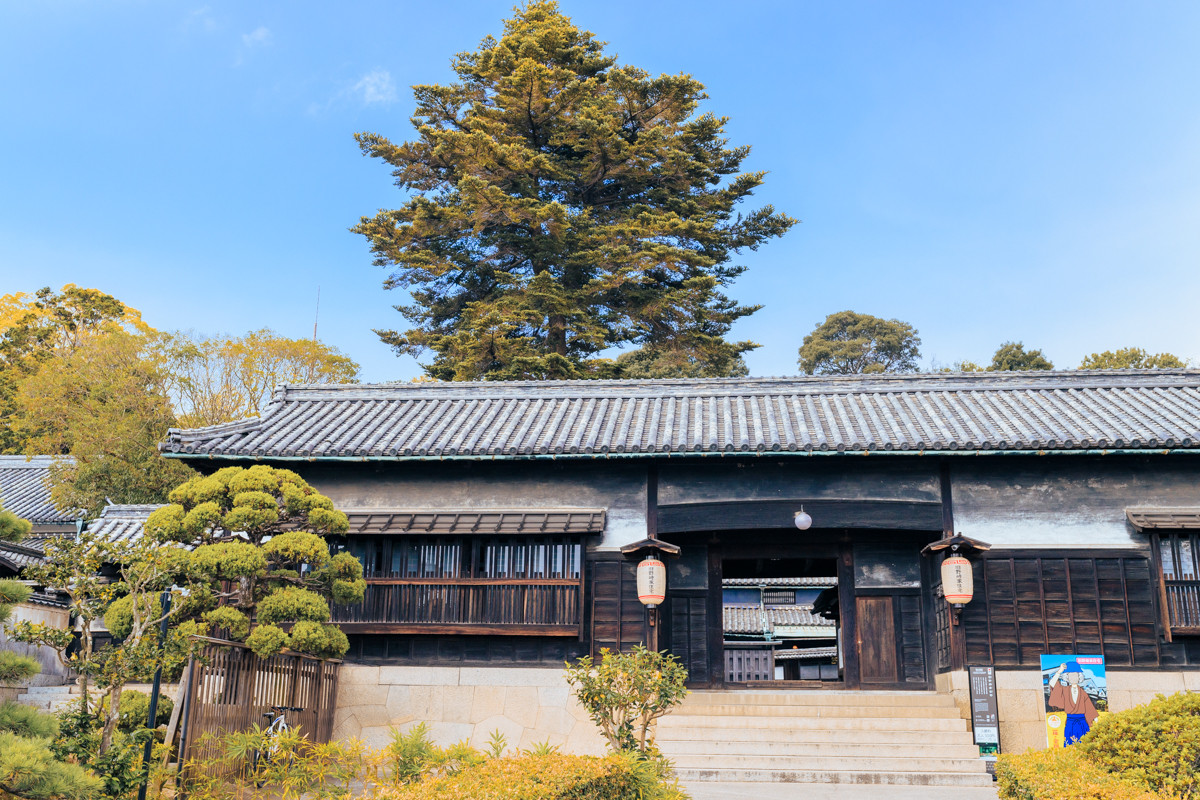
(985, 171)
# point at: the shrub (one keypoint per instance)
(625, 692)
(135, 707)
(27, 721)
(548, 777)
(1156, 745)
(1062, 774)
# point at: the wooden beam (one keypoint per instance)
(911, 515)
(439, 629)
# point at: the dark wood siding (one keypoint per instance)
(618, 620)
(1029, 603)
(453, 650)
(688, 634)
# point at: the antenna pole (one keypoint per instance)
(317, 316)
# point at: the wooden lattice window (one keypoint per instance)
(779, 597)
(1177, 554)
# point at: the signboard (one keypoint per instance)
(1075, 690)
(985, 711)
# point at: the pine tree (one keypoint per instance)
(562, 204)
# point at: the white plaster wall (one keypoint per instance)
(528, 706)
(1022, 707)
(53, 672)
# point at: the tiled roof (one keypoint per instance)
(118, 523)
(807, 654)
(781, 582)
(548, 520)
(1145, 410)
(25, 489)
(750, 618)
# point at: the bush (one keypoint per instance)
(1062, 774)
(27, 721)
(135, 707)
(548, 777)
(625, 692)
(1156, 745)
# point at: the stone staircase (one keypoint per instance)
(47, 698)
(822, 736)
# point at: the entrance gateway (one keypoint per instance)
(752, 602)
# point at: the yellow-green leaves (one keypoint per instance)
(229, 561)
(229, 619)
(292, 604)
(298, 547)
(267, 640)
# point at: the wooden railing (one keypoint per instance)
(528, 606)
(1183, 605)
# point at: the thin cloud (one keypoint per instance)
(200, 18)
(376, 87)
(258, 37)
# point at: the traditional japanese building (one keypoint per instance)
(500, 525)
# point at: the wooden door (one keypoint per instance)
(877, 662)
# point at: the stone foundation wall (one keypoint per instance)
(1022, 708)
(527, 705)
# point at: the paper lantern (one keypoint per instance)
(957, 582)
(651, 581)
(802, 520)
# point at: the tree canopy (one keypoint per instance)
(224, 378)
(562, 204)
(1013, 357)
(847, 343)
(257, 539)
(1132, 358)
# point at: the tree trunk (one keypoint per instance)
(558, 334)
(112, 717)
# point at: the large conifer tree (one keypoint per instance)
(561, 204)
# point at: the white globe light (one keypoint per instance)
(803, 520)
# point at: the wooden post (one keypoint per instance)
(958, 642)
(847, 611)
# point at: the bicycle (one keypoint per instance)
(271, 736)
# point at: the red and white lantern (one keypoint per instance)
(958, 584)
(651, 581)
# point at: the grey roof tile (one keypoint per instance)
(25, 489)
(119, 523)
(970, 412)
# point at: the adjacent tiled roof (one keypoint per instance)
(807, 654)
(119, 523)
(25, 489)
(547, 520)
(1146, 410)
(752, 618)
(1147, 517)
(780, 582)
(18, 556)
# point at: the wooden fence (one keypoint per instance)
(230, 689)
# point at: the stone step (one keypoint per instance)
(674, 722)
(820, 748)
(760, 736)
(817, 697)
(49, 690)
(897, 762)
(909, 712)
(897, 778)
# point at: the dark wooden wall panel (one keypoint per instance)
(912, 640)
(1029, 604)
(687, 634)
(617, 617)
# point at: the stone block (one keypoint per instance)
(487, 701)
(553, 696)
(585, 740)
(557, 721)
(575, 709)
(456, 703)
(356, 674)
(346, 727)
(511, 676)
(1018, 679)
(399, 700)
(419, 676)
(531, 738)
(1017, 737)
(521, 705)
(1119, 700)
(511, 731)
(1191, 681)
(375, 714)
(448, 733)
(376, 736)
(426, 702)
(1021, 705)
(1151, 683)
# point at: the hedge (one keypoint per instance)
(1062, 774)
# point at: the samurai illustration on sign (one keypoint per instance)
(1076, 693)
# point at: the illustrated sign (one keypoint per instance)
(985, 710)
(1075, 689)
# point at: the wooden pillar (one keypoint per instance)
(651, 616)
(958, 642)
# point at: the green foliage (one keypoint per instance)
(12, 527)
(27, 721)
(413, 756)
(134, 708)
(560, 204)
(1132, 358)
(292, 603)
(318, 639)
(228, 618)
(625, 692)
(650, 363)
(1062, 774)
(119, 616)
(1156, 745)
(267, 640)
(1013, 357)
(103, 403)
(847, 343)
(14, 667)
(222, 378)
(29, 770)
